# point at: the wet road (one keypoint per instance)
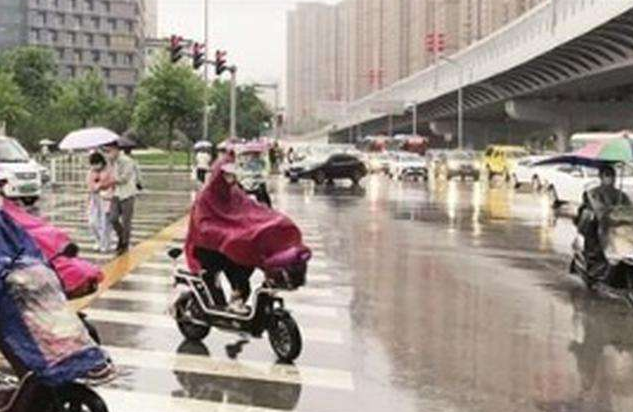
(447, 297)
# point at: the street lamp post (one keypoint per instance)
(460, 101)
(414, 114)
(233, 130)
(205, 111)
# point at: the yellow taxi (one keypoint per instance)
(502, 159)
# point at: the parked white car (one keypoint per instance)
(406, 165)
(23, 174)
(527, 172)
(566, 183)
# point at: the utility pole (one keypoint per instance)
(460, 101)
(233, 130)
(205, 108)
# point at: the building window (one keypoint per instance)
(96, 23)
(60, 54)
(73, 4)
(96, 56)
(112, 57)
(41, 17)
(106, 40)
(35, 35)
(90, 39)
(79, 56)
(112, 91)
(129, 59)
(54, 36)
(60, 19)
(72, 38)
(89, 5)
(107, 73)
(78, 20)
(106, 6)
(130, 27)
(55, 3)
(112, 24)
(71, 70)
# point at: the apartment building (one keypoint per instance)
(107, 35)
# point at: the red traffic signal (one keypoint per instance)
(198, 55)
(220, 62)
(176, 48)
(435, 42)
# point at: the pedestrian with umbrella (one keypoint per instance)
(203, 159)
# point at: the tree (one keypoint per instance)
(85, 98)
(12, 103)
(253, 115)
(166, 98)
(118, 115)
(34, 71)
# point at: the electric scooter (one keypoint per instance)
(201, 304)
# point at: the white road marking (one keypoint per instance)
(163, 298)
(265, 371)
(142, 319)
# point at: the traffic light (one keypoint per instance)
(198, 55)
(175, 48)
(435, 42)
(220, 62)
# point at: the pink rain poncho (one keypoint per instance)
(78, 276)
(225, 219)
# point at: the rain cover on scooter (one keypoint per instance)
(618, 234)
(77, 275)
(36, 325)
(225, 219)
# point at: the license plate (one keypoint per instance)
(28, 188)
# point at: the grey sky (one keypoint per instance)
(252, 31)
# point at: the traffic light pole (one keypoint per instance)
(205, 109)
(233, 130)
(275, 87)
(460, 101)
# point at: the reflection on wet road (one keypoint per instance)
(438, 297)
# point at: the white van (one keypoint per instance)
(23, 174)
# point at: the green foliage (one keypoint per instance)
(12, 103)
(166, 98)
(253, 115)
(34, 70)
(85, 99)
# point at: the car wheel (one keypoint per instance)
(319, 177)
(536, 184)
(30, 201)
(515, 182)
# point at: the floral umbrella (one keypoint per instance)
(596, 154)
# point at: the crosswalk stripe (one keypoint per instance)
(245, 369)
(166, 279)
(163, 321)
(125, 401)
(163, 298)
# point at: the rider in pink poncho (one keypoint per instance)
(230, 232)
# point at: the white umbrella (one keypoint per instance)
(91, 138)
(202, 144)
(46, 142)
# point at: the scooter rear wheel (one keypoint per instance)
(79, 398)
(284, 336)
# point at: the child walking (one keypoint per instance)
(100, 187)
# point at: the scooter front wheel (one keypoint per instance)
(79, 398)
(188, 329)
(284, 336)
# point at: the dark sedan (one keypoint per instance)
(339, 166)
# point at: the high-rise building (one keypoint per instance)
(347, 51)
(106, 35)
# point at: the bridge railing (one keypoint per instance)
(547, 26)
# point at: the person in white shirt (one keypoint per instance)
(203, 164)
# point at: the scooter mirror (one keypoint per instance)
(174, 253)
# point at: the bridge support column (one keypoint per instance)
(565, 118)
